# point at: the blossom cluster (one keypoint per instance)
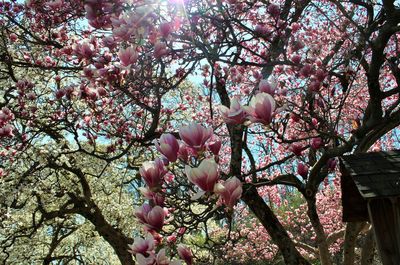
(196, 140)
(261, 109)
(6, 116)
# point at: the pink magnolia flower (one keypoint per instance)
(295, 27)
(148, 194)
(152, 218)
(153, 172)
(109, 42)
(317, 143)
(296, 149)
(55, 4)
(6, 114)
(128, 56)
(6, 131)
(302, 170)
(230, 191)
(84, 50)
(31, 96)
(123, 32)
(169, 177)
(13, 37)
(315, 86)
(160, 49)
(296, 59)
(261, 30)
(102, 91)
(152, 259)
(143, 246)
(142, 211)
(186, 254)
(195, 135)
(90, 12)
(205, 176)
(166, 29)
(214, 145)
(171, 239)
(181, 230)
(332, 164)
(306, 70)
(274, 10)
(320, 75)
(233, 115)
(161, 259)
(314, 122)
(168, 146)
(183, 152)
(267, 87)
(142, 260)
(156, 198)
(261, 108)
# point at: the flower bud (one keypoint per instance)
(302, 170)
(168, 146)
(186, 254)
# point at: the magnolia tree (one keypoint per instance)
(288, 86)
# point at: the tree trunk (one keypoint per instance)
(352, 231)
(258, 206)
(323, 247)
(368, 250)
(273, 227)
(117, 240)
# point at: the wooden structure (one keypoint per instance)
(371, 192)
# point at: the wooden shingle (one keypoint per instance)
(376, 175)
(371, 183)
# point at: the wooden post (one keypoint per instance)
(354, 205)
(385, 217)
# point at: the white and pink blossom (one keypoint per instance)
(186, 254)
(230, 191)
(233, 115)
(143, 246)
(168, 146)
(205, 176)
(151, 217)
(267, 86)
(153, 172)
(214, 145)
(128, 56)
(195, 136)
(261, 108)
